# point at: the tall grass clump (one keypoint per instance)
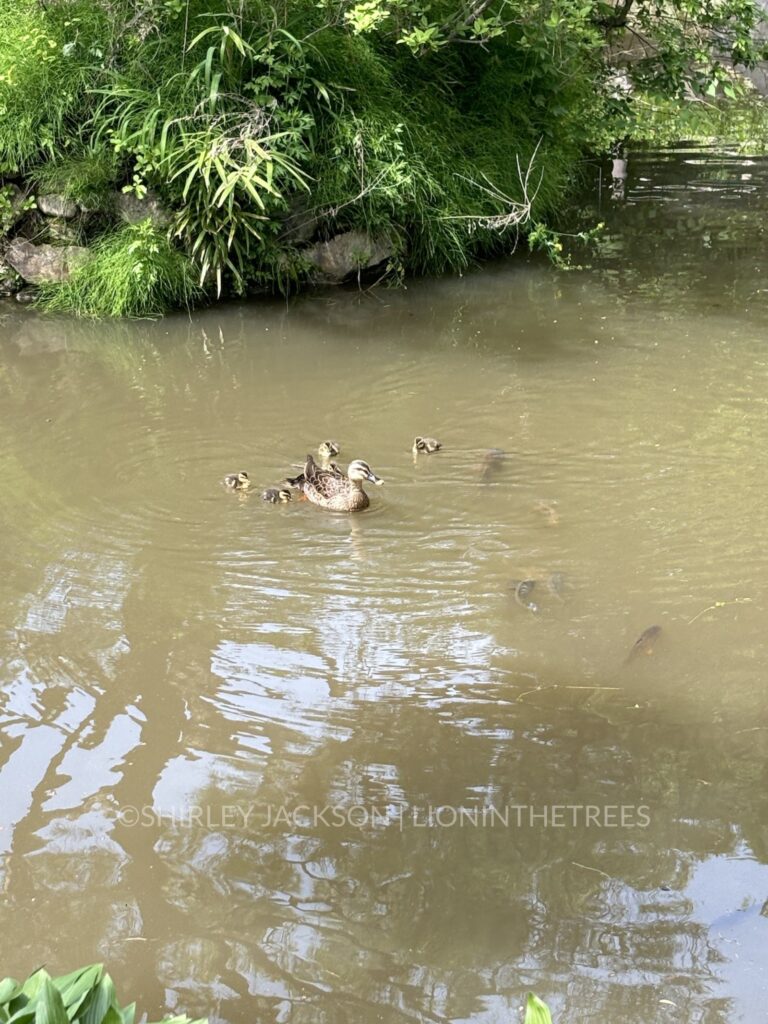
(134, 272)
(86, 175)
(50, 56)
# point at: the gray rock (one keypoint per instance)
(347, 254)
(132, 210)
(40, 263)
(57, 206)
(26, 295)
(299, 224)
(61, 231)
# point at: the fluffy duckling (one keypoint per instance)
(328, 449)
(276, 494)
(236, 482)
(428, 445)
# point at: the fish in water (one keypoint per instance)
(523, 590)
(491, 464)
(236, 481)
(549, 511)
(645, 643)
(556, 584)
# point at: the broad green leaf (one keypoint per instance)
(49, 1006)
(101, 998)
(9, 987)
(113, 1015)
(536, 1011)
(34, 982)
(128, 1013)
(24, 1014)
(74, 995)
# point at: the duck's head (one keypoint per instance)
(327, 449)
(238, 481)
(359, 470)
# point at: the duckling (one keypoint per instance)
(428, 445)
(236, 482)
(328, 449)
(276, 494)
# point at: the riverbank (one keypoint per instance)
(168, 155)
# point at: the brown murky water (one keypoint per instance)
(277, 765)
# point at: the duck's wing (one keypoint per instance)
(311, 469)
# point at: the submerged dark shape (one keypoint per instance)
(556, 584)
(645, 643)
(523, 590)
(491, 464)
(548, 510)
(236, 481)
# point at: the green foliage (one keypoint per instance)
(536, 1011)
(86, 996)
(86, 175)
(12, 206)
(136, 272)
(210, 139)
(546, 240)
(48, 58)
(450, 126)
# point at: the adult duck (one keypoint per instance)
(332, 489)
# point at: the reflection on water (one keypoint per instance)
(189, 677)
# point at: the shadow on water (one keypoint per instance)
(279, 765)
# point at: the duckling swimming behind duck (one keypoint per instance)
(276, 494)
(428, 445)
(236, 482)
(328, 449)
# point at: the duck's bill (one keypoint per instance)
(375, 479)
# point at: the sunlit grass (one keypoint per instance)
(135, 272)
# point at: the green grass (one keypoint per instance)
(133, 272)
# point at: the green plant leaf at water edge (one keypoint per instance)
(536, 1011)
(49, 1005)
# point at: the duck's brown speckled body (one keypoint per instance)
(334, 490)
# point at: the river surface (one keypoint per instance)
(279, 766)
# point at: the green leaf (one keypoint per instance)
(536, 1011)
(49, 1007)
(101, 998)
(75, 994)
(23, 1014)
(9, 988)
